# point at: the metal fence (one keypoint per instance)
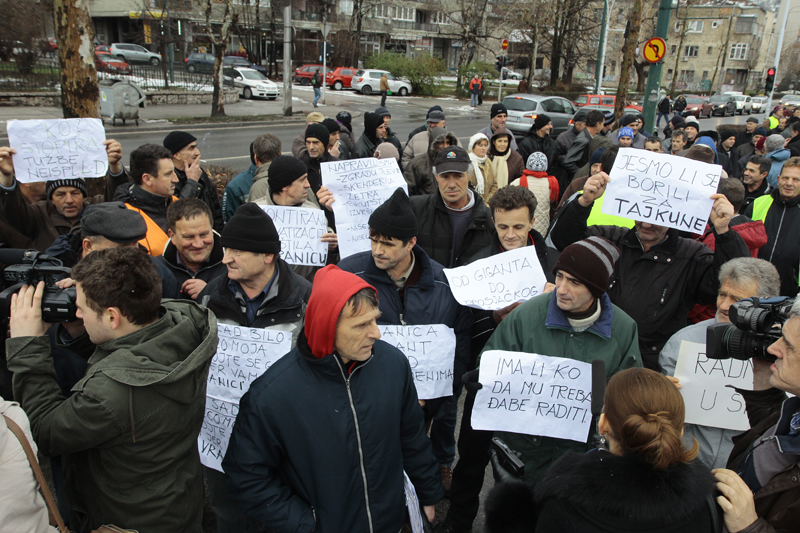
(44, 75)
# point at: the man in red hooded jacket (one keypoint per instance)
(323, 436)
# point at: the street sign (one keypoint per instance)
(654, 50)
(505, 44)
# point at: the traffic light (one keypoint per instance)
(770, 81)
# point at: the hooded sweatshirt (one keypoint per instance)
(419, 172)
(366, 144)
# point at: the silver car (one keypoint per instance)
(133, 53)
(524, 108)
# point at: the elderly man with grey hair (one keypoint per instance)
(739, 278)
(777, 155)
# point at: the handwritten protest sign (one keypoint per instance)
(534, 394)
(661, 189)
(300, 230)
(243, 354)
(431, 350)
(709, 402)
(498, 281)
(57, 149)
(359, 186)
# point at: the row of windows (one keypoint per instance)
(737, 51)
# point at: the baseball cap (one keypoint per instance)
(451, 159)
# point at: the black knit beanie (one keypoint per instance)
(395, 218)
(540, 122)
(283, 170)
(331, 125)
(318, 131)
(591, 261)
(78, 183)
(497, 109)
(251, 230)
(176, 141)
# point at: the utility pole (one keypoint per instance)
(80, 95)
(778, 55)
(287, 58)
(628, 51)
(654, 71)
(170, 47)
(326, 28)
(601, 51)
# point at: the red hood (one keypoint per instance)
(752, 233)
(332, 288)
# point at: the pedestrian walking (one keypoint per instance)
(316, 83)
(384, 89)
(664, 107)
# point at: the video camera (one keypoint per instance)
(29, 267)
(755, 324)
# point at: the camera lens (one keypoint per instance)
(747, 344)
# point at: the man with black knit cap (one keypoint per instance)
(539, 140)
(412, 289)
(499, 115)
(258, 291)
(391, 137)
(317, 138)
(374, 131)
(630, 121)
(186, 158)
(336, 147)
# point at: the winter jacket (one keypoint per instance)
(260, 186)
(489, 132)
(314, 166)
(128, 434)
(320, 445)
(598, 141)
(659, 286)
(680, 104)
(475, 86)
(419, 172)
(564, 142)
(777, 158)
(743, 137)
(435, 233)
(664, 106)
(428, 301)
(523, 86)
(782, 222)
(533, 143)
(210, 269)
(750, 196)
(152, 205)
(638, 139)
(316, 80)
(366, 144)
(598, 492)
(778, 501)
(545, 189)
(612, 338)
(418, 144)
(346, 135)
(577, 155)
(39, 222)
(206, 191)
(236, 192)
(514, 164)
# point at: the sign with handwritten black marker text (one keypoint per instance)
(431, 351)
(300, 230)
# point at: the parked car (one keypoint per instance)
(790, 99)
(524, 108)
(242, 62)
(340, 78)
(133, 53)
(723, 104)
(605, 100)
(107, 62)
(199, 62)
(306, 72)
(103, 48)
(743, 104)
(251, 82)
(759, 104)
(369, 80)
(699, 106)
(508, 74)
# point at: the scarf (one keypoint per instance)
(500, 167)
(551, 180)
(476, 168)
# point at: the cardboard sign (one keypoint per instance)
(300, 230)
(243, 354)
(704, 387)
(431, 350)
(661, 189)
(58, 149)
(498, 281)
(359, 186)
(534, 395)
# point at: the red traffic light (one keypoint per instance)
(771, 72)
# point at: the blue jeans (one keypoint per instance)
(473, 101)
(660, 114)
(317, 95)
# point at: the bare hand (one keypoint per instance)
(6, 166)
(430, 512)
(736, 500)
(593, 189)
(335, 150)
(193, 287)
(65, 283)
(114, 153)
(721, 213)
(332, 240)
(26, 312)
(421, 403)
(549, 287)
(193, 170)
(500, 314)
(325, 198)
(675, 381)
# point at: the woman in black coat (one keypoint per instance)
(646, 482)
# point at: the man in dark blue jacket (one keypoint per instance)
(413, 289)
(323, 436)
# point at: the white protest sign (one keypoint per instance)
(709, 402)
(300, 230)
(431, 350)
(57, 149)
(498, 281)
(359, 186)
(535, 395)
(243, 354)
(661, 189)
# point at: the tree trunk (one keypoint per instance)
(641, 75)
(217, 103)
(680, 48)
(534, 53)
(628, 52)
(80, 95)
(555, 54)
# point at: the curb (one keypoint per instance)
(167, 125)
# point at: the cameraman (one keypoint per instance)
(761, 492)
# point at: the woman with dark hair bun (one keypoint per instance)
(645, 482)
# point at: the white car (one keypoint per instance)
(743, 104)
(509, 74)
(369, 81)
(252, 83)
(759, 104)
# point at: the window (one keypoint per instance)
(673, 50)
(439, 18)
(710, 50)
(687, 76)
(553, 106)
(705, 74)
(738, 51)
(346, 7)
(745, 25)
(691, 51)
(694, 26)
(608, 100)
(715, 24)
(613, 67)
(669, 74)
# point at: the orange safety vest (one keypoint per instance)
(155, 240)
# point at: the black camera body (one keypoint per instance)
(58, 305)
(755, 324)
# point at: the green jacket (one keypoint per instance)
(128, 433)
(539, 326)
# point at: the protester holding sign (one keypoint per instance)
(259, 291)
(660, 275)
(60, 213)
(412, 289)
(739, 278)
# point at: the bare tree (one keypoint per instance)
(80, 95)
(361, 8)
(220, 41)
(628, 52)
(648, 29)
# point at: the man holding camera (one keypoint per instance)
(128, 434)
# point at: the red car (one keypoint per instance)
(107, 62)
(699, 106)
(306, 72)
(340, 78)
(605, 100)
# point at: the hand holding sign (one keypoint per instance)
(6, 165)
(721, 213)
(593, 189)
